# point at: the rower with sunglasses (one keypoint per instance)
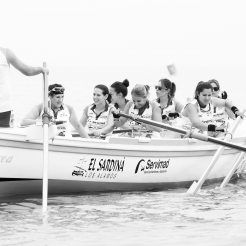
(61, 114)
(200, 112)
(216, 89)
(223, 95)
(170, 107)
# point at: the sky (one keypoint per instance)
(89, 42)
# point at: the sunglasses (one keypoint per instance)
(57, 90)
(159, 88)
(215, 88)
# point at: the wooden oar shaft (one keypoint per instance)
(191, 134)
(196, 186)
(154, 123)
(45, 144)
(226, 144)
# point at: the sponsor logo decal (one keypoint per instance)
(99, 168)
(150, 166)
(6, 159)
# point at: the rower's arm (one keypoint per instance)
(233, 110)
(76, 124)
(191, 112)
(110, 125)
(21, 66)
(179, 106)
(118, 122)
(84, 117)
(156, 116)
(32, 116)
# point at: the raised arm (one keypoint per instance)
(22, 67)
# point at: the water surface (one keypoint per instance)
(172, 217)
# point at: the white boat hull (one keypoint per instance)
(116, 164)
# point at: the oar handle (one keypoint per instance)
(46, 115)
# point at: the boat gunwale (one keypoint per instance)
(140, 149)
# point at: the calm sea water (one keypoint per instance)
(212, 217)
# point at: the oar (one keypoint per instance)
(233, 169)
(190, 134)
(45, 143)
(196, 185)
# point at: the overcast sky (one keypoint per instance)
(101, 41)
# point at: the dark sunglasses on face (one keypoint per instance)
(159, 88)
(215, 88)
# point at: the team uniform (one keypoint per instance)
(170, 116)
(169, 113)
(145, 112)
(60, 118)
(210, 115)
(97, 121)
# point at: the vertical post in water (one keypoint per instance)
(45, 119)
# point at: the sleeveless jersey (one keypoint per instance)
(146, 114)
(211, 114)
(62, 118)
(94, 121)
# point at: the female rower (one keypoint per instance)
(170, 108)
(97, 117)
(118, 91)
(216, 89)
(140, 106)
(61, 114)
(223, 95)
(201, 112)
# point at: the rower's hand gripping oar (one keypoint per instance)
(187, 133)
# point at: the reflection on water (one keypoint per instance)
(141, 218)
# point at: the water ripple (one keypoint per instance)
(212, 217)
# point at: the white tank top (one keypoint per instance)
(63, 116)
(211, 114)
(169, 109)
(95, 122)
(5, 92)
(147, 114)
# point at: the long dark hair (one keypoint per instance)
(121, 87)
(172, 89)
(201, 86)
(105, 91)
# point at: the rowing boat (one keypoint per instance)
(79, 165)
